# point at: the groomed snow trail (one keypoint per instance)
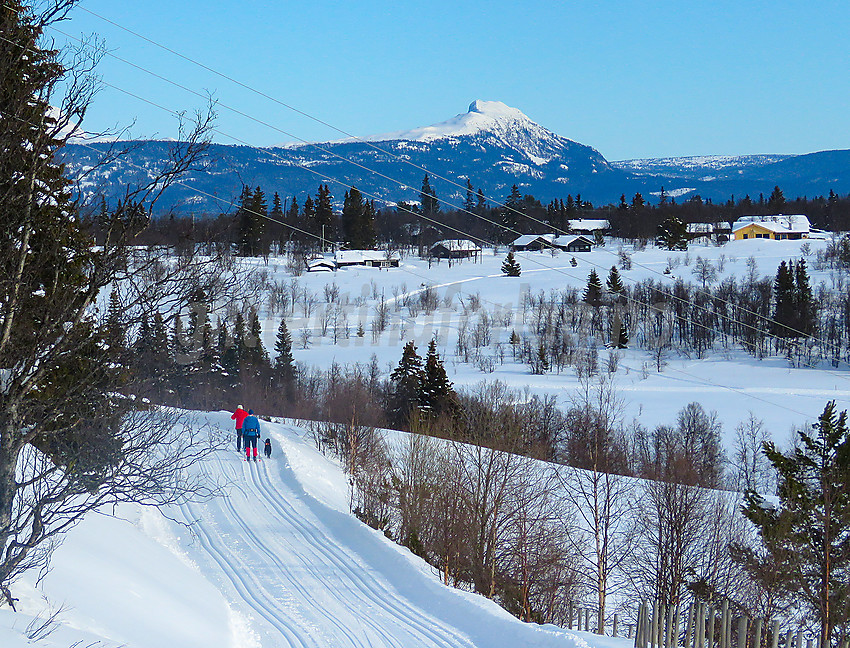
(306, 574)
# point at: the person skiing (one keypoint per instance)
(239, 416)
(250, 434)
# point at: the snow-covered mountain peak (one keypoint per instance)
(493, 121)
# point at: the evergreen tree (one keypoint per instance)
(258, 214)
(277, 217)
(469, 204)
(255, 358)
(245, 220)
(284, 371)
(324, 216)
(776, 202)
(619, 332)
(673, 234)
(510, 215)
(593, 290)
(352, 219)
(807, 536)
(510, 266)
(367, 225)
(784, 300)
(405, 386)
(115, 334)
(804, 304)
(437, 397)
(614, 283)
(480, 202)
(428, 199)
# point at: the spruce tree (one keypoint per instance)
(593, 290)
(469, 204)
(283, 370)
(804, 303)
(352, 219)
(784, 306)
(807, 536)
(510, 266)
(428, 198)
(405, 386)
(673, 234)
(437, 397)
(324, 216)
(614, 283)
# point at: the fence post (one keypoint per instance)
(699, 626)
(587, 619)
(570, 617)
(653, 626)
(757, 633)
(712, 615)
(742, 631)
(774, 634)
(614, 629)
(689, 622)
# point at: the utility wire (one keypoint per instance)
(413, 164)
(457, 207)
(330, 179)
(694, 377)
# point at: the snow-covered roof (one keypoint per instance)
(783, 223)
(318, 265)
(458, 245)
(589, 224)
(343, 257)
(566, 239)
(527, 239)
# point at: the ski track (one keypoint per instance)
(320, 595)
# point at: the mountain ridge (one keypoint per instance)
(492, 145)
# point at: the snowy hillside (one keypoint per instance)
(276, 562)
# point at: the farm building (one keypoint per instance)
(368, 258)
(538, 242)
(455, 249)
(778, 227)
(533, 242)
(709, 233)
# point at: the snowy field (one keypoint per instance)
(730, 382)
(278, 562)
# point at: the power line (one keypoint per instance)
(545, 266)
(457, 207)
(411, 163)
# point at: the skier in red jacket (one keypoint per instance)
(239, 416)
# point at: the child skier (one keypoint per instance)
(239, 416)
(250, 434)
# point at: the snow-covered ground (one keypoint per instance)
(277, 562)
(730, 382)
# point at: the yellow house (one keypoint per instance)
(779, 227)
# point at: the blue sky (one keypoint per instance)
(632, 79)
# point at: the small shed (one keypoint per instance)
(320, 265)
(368, 258)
